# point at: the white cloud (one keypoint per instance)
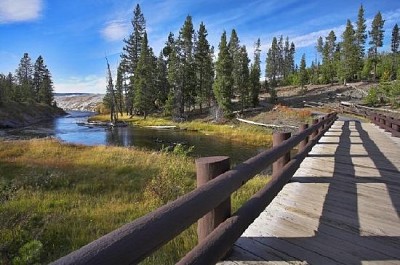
(115, 30)
(19, 10)
(83, 84)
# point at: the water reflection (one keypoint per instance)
(67, 130)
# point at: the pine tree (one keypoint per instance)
(144, 80)
(271, 71)
(161, 81)
(329, 68)
(361, 33)
(24, 77)
(281, 58)
(395, 51)
(172, 105)
(395, 39)
(235, 52)
(303, 76)
(186, 45)
(109, 98)
(45, 92)
(131, 53)
(255, 75)
(243, 78)
(119, 90)
(376, 35)
(204, 68)
(223, 81)
(38, 76)
(349, 56)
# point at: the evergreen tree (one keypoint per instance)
(204, 68)
(329, 68)
(161, 81)
(235, 52)
(131, 53)
(349, 56)
(243, 78)
(376, 35)
(361, 33)
(38, 76)
(271, 71)
(45, 92)
(281, 58)
(144, 80)
(109, 98)
(119, 90)
(172, 105)
(303, 76)
(186, 56)
(395, 39)
(395, 51)
(24, 77)
(223, 81)
(289, 52)
(255, 75)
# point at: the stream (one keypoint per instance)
(66, 129)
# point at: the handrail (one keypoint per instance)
(135, 241)
(386, 122)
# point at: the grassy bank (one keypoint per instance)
(16, 114)
(56, 198)
(239, 132)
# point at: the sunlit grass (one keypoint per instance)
(65, 196)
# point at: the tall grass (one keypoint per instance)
(56, 198)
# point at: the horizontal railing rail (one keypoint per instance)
(135, 241)
(386, 122)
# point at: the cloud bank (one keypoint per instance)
(19, 10)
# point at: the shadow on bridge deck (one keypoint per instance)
(341, 207)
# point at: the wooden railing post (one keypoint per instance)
(207, 168)
(315, 133)
(305, 141)
(277, 139)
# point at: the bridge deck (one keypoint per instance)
(342, 206)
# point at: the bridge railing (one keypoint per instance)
(386, 122)
(135, 241)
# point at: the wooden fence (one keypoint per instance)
(210, 202)
(386, 122)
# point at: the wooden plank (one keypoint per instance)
(341, 208)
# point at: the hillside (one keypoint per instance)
(78, 101)
(14, 114)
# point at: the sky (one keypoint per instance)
(75, 36)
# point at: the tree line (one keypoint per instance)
(186, 76)
(31, 82)
(351, 59)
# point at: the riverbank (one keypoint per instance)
(58, 197)
(235, 131)
(16, 115)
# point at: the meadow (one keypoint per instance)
(58, 197)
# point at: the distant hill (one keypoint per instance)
(78, 101)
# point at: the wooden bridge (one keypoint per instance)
(342, 206)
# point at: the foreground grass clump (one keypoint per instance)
(56, 198)
(244, 133)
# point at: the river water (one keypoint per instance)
(66, 129)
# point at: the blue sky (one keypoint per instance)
(75, 36)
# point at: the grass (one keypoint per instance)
(56, 197)
(244, 133)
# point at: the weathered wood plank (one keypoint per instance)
(342, 206)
